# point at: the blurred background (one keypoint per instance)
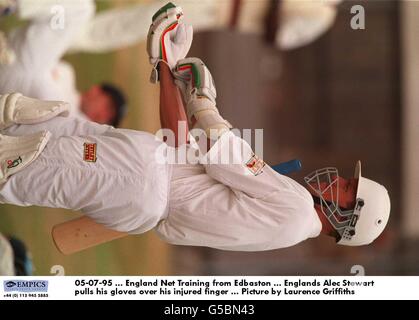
(322, 91)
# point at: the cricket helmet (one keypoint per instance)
(366, 221)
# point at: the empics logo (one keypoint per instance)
(25, 285)
(10, 284)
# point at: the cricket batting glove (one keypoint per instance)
(168, 40)
(198, 89)
(18, 109)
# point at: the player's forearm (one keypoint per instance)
(171, 105)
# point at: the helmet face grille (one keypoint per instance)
(322, 182)
(325, 184)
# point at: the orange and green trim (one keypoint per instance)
(163, 54)
(163, 9)
(193, 70)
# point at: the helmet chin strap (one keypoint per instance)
(349, 230)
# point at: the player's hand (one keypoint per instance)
(194, 80)
(168, 38)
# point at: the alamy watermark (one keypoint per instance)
(233, 147)
(358, 20)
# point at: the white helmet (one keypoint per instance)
(361, 225)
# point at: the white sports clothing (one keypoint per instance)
(224, 206)
(301, 23)
(16, 153)
(7, 56)
(123, 187)
(128, 25)
(37, 70)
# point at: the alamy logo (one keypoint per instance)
(25, 285)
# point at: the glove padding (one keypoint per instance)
(18, 109)
(168, 39)
(195, 82)
(198, 89)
